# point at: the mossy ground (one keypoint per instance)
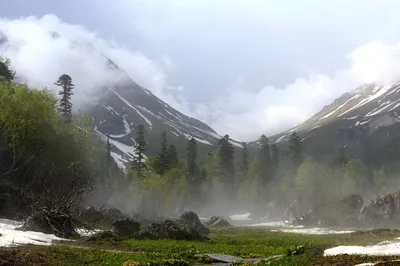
(239, 241)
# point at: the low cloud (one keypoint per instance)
(41, 49)
(244, 113)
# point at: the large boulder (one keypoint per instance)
(217, 222)
(51, 222)
(126, 227)
(103, 235)
(381, 210)
(191, 219)
(169, 230)
(91, 216)
(113, 214)
(334, 212)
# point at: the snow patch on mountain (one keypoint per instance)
(119, 160)
(379, 91)
(340, 107)
(127, 130)
(109, 108)
(134, 108)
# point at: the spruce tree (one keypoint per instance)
(274, 158)
(191, 157)
(163, 156)
(203, 174)
(140, 146)
(5, 71)
(226, 164)
(342, 160)
(296, 149)
(65, 82)
(172, 156)
(265, 159)
(108, 150)
(245, 159)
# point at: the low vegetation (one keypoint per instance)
(243, 242)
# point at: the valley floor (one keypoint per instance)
(298, 248)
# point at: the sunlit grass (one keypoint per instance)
(244, 242)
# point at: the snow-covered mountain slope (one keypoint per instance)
(371, 106)
(363, 122)
(126, 105)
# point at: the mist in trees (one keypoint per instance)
(38, 150)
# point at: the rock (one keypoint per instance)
(126, 227)
(334, 212)
(49, 222)
(102, 236)
(113, 214)
(169, 230)
(381, 210)
(190, 219)
(217, 221)
(92, 215)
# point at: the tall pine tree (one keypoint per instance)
(191, 157)
(274, 158)
(65, 82)
(296, 149)
(140, 147)
(244, 166)
(265, 159)
(163, 156)
(226, 164)
(5, 72)
(172, 156)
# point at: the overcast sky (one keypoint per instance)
(245, 67)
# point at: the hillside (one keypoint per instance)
(125, 105)
(365, 121)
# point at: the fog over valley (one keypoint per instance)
(199, 133)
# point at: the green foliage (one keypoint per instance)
(191, 157)
(163, 155)
(6, 74)
(355, 177)
(296, 149)
(244, 166)
(140, 145)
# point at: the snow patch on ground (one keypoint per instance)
(241, 217)
(10, 236)
(316, 231)
(276, 224)
(381, 249)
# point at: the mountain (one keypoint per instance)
(127, 105)
(365, 121)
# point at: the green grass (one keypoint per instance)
(239, 241)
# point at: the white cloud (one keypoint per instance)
(246, 114)
(243, 113)
(40, 59)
